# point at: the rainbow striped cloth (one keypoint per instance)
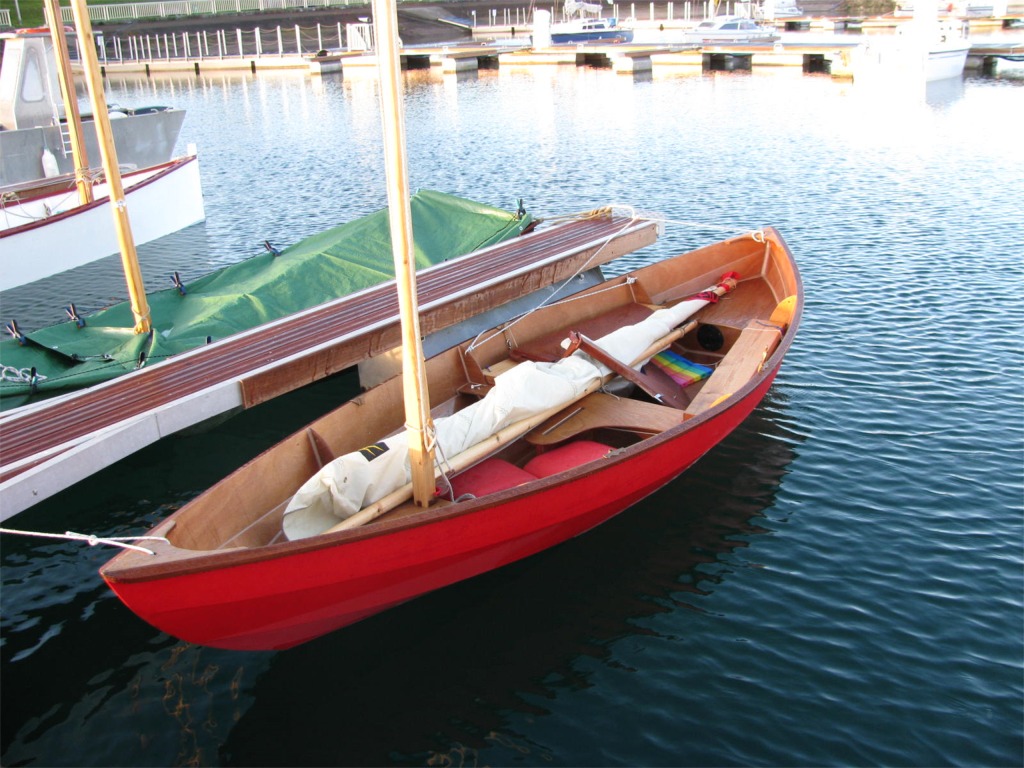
(682, 371)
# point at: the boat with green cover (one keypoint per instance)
(321, 268)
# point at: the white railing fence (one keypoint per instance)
(197, 46)
(160, 10)
(169, 8)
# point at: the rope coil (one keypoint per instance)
(19, 375)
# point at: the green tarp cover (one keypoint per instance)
(319, 269)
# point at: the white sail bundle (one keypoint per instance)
(353, 481)
(572, 7)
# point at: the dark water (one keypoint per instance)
(839, 583)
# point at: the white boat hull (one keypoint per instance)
(896, 62)
(161, 200)
(946, 61)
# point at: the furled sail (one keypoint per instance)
(353, 481)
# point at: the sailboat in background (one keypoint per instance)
(486, 453)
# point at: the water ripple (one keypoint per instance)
(838, 583)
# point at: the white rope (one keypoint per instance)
(755, 234)
(633, 218)
(637, 214)
(634, 215)
(480, 339)
(92, 540)
(18, 375)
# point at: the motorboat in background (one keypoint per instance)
(34, 136)
(730, 29)
(605, 30)
(923, 50)
(55, 211)
(767, 10)
(584, 24)
(947, 57)
(781, 11)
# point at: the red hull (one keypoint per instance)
(312, 589)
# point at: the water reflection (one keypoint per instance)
(70, 649)
(943, 93)
(435, 679)
(372, 693)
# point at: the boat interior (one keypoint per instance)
(720, 349)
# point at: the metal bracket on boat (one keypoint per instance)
(142, 354)
(272, 249)
(13, 329)
(72, 314)
(176, 279)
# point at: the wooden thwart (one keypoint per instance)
(600, 410)
(746, 357)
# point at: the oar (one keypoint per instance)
(491, 444)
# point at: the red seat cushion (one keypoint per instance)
(490, 476)
(566, 457)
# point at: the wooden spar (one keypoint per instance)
(67, 92)
(118, 206)
(419, 426)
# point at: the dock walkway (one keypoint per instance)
(51, 445)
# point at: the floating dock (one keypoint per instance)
(807, 42)
(55, 443)
(448, 59)
(811, 56)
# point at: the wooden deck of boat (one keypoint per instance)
(51, 445)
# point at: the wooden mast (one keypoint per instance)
(67, 91)
(419, 426)
(129, 258)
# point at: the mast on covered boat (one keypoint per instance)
(417, 401)
(118, 205)
(66, 82)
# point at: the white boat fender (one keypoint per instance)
(50, 168)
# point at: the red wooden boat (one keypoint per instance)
(236, 571)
